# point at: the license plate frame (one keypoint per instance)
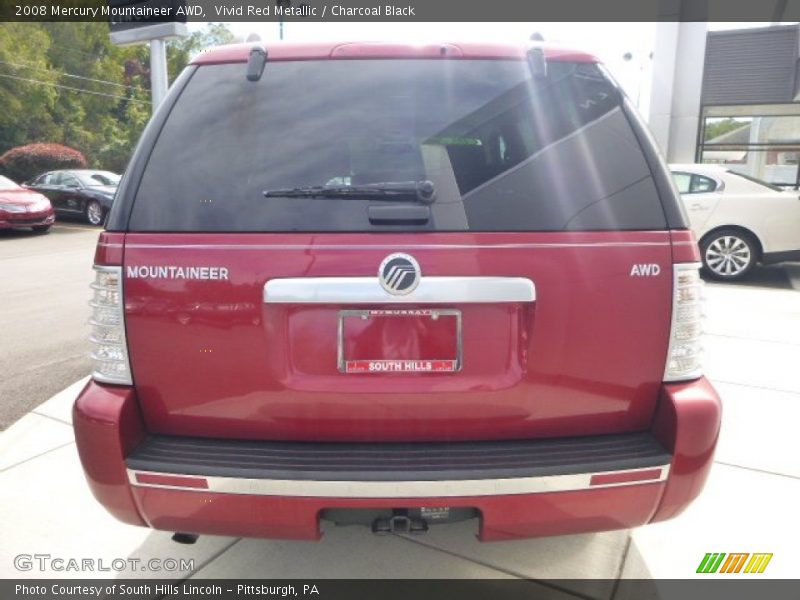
(382, 365)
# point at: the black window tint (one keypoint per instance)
(504, 152)
(97, 178)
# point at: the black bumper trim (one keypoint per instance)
(423, 461)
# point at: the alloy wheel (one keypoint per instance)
(94, 213)
(728, 256)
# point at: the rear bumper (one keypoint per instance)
(521, 489)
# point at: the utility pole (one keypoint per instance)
(283, 5)
(125, 31)
(159, 81)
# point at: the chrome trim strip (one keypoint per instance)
(367, 290)
(398, 489)
(359, 247)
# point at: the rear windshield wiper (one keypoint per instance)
(416, 191)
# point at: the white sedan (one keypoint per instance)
(738, 220)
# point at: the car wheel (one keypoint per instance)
(94, 212)
(42, 228)
(729, 254)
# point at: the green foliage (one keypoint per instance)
(67, 83)
(25, 44)
(181, 51)
(720, 127)
(26, 162)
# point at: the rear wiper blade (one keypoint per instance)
(418, 191)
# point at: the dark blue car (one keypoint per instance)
(80, 192)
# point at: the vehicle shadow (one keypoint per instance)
(562, 567)
(74, 220)
(784, 276)
(15, 234)
(59, 228)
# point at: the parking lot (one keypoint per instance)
(44, 286)
(752, 356)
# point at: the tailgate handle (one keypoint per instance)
(403, 214)
(367, 290)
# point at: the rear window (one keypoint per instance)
(98, 178)
(690, 183)
(505, 152)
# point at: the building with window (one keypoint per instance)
(730, 97)
(750, 103)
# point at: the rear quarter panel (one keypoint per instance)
(773, 218)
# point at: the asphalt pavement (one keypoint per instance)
(44, 290)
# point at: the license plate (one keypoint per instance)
(399, 341)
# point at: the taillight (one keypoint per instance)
(683, 358)
(109, 348)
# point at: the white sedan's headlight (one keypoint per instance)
(39, 205)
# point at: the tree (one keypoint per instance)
(181, 51)
(719, 127)
(107, 117)
(67, 83)
(26, 81)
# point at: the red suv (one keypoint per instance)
(396, 285)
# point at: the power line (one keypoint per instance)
(32, 68)
(72, 89)
(74, 50)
